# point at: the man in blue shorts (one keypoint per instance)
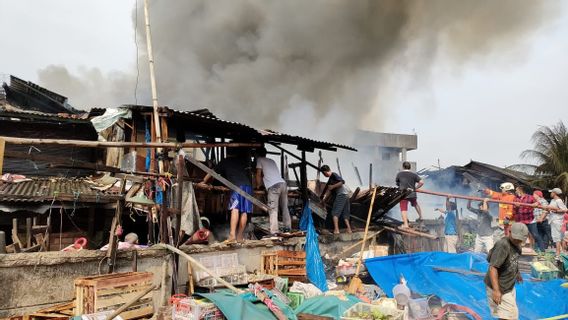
(237, 169)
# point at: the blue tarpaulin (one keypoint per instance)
(314, 265)
(536, 299)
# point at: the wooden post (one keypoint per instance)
(28, 232)
(113, 239)
(2, 147)
(180, 169)
(48, 234)
(370, 175)
(15, 237)
(304, 178)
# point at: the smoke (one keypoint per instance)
(317, 68)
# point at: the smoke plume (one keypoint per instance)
(317, 68)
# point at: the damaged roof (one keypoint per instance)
(50, 189)
(204, 122)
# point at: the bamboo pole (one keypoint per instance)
(124, 144)
(157, 123)
(457, 196)
(200, 266)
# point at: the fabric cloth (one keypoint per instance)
(239, 202)
(270, 173)
(538, 212)
(557, 204)
(484, 217)
(533, 230)
(524, 214)
(333, 179)
(236, 170)
(278, 199)
(407, 179)
(507, 309)
(505, 257)
(505, 210)
(544, 232)
(404, 203)
(341, 206)
(556, 231)
(450, 227)
(483, 243)
(110, 117)
(190, 217)
(451, 243)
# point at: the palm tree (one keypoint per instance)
(550, 155)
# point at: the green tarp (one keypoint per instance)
(330, 306)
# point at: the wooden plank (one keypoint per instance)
(291, 254)
(227, 183)
(28, 232)
(113, 239)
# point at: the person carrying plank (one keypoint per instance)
(484, 236)
(505, 210)
(450, 226)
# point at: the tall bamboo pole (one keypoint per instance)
(157, 122)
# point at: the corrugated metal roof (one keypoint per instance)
(9, 110)
(46, 190)
(212, 123)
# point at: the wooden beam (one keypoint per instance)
(226, 182)
(124, 144)
(113, 239)
(179, 203)
(2, 147)
(293, 155)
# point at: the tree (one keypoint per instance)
(550, 156)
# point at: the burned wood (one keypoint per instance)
(294, 156)
(108, 144)
(411, 232)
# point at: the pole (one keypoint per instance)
(157, 124)
(457, 196)
(304, 178)
(119, 144)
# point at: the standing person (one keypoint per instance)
(525, 215)
(335, 186)
(541, 220)
(505, 210)
(450, 226)
(277, 191)
(556, 218)
(236, 168)
(504, 272)
(408, 180)
(484, 236)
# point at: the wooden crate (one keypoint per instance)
(109, 292)
(283, 263)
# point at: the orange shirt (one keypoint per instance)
(505, 210)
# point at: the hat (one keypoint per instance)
(507, 186)
(538, 193)
(558, 191)
(519, 231)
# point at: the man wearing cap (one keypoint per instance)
(505, 210)
(504, 272)
(556, 218)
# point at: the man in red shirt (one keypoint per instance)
(525, 215)
(505, 210)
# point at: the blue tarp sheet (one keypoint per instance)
(314, 265)
(535, 299)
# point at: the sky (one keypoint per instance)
(484, 109)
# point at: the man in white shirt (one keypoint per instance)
(557, 209)
(267, 172)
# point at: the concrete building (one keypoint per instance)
(385, 151)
